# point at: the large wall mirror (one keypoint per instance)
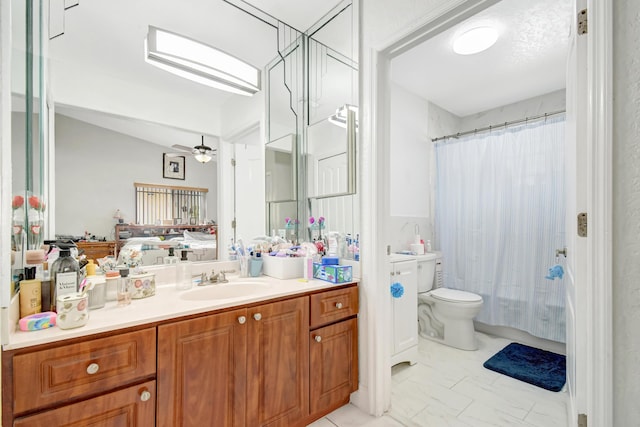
(326, 161)
(115, 115)
(331, 145)
(31, 211)
(285, 87)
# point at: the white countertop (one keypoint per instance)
(167, 303)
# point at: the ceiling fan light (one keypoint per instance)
(200, 62)
(202, 157)
(475, 40)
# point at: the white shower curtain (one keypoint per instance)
(500, 214)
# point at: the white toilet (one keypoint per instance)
(445, 315)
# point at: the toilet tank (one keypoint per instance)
(426, 271)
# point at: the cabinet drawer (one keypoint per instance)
(55, 375)
(131, 407)
(331, 306)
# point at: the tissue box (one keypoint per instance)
(333, 273)
(283, 267)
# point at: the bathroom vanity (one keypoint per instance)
(284, 355)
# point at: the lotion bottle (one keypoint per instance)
(30, 293)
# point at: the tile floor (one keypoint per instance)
(451, 388)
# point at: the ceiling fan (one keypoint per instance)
(202, 153)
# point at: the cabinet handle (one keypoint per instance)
(338, 305)
(318, 338)
(145, 395)
(257, 316)
(93, 368)
(242, 319)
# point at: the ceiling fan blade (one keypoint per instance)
(175, 154)
(182, 147)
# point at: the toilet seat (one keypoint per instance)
(454, 295)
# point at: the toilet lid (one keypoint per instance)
(455, 295)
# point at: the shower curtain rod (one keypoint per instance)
(501, 125)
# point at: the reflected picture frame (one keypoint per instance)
(173, 166)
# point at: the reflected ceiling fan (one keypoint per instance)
(201, 153)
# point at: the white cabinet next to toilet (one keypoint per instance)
(404, 311)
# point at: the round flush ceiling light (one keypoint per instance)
(475, 40)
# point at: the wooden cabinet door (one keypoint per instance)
(278, 363)
(130, 407)
(333, 370)
(201, 371)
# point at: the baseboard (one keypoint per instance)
(520, 336)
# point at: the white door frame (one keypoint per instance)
(374, 175)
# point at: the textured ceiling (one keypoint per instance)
(529, 59)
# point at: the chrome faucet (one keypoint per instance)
(218, 278)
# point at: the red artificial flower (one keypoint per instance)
(17, 202)
(35, 203)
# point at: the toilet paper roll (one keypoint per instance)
(418, 248)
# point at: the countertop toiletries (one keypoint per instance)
(124, 288)
(171, 258)
(36, 322)
(112, 279)
(428, 246)
(35, 258)
(97, 292)
(64, 276)
(30, 293)
(184, 280)
(73, 310)
(308, 267)
(91, 268)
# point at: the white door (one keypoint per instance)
(576, 186)
(404, 311)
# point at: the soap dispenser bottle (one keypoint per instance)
(184, 279)
(171, 258)
(65, 272)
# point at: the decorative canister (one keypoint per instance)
(98, 293)
(73, 310)
(143, 285)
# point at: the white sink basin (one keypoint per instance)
(230, 290)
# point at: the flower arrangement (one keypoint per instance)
(35, 203)
(290, 223)
(17, 202)
(317, 225)
(34, 221)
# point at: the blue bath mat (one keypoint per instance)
(531, 365)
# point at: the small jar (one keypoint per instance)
(97, 295)
(112, 279)
(73, 310)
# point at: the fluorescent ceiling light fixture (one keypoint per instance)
(475, 40)
(340, 117)
(199, 62)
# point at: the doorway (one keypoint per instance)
(549, 98)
